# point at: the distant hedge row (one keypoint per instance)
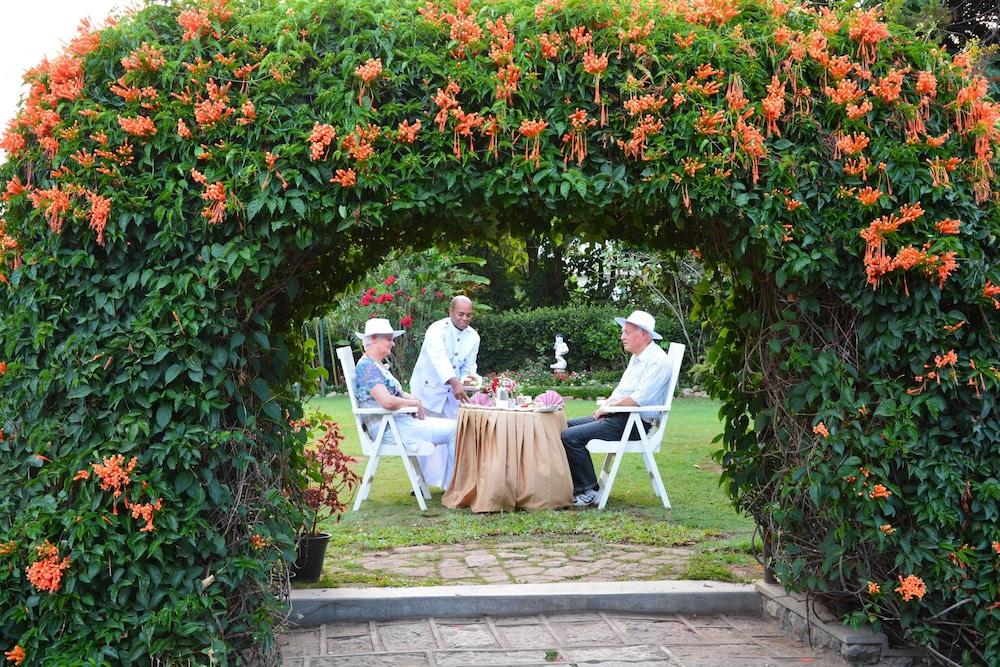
(517, 340)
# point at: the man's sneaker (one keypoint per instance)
(585, 499)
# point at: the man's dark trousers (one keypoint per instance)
(583, 429)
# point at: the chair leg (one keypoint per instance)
(415, 484)
(602, 478)
(366, 480)
(420, 477)
(605, 492)
(654, 474)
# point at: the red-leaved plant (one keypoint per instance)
(332, 478)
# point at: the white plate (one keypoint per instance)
(550, 408)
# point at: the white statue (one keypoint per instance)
(560, 349)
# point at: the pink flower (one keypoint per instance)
(390, 280)
(406, 321)
(423, 290)
(366, 300)
(438, 294)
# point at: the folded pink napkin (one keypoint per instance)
(550, 398)
(479, 398)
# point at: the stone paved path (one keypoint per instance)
(572, 639)
(528, 563)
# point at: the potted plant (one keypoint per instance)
(329, 480)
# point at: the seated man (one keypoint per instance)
(643, 383)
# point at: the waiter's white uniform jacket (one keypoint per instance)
(446, 353)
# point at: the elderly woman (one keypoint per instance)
(375, 386)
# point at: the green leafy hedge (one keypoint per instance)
(522, 339)
(186, 187)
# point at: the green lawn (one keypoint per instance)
(701, 515)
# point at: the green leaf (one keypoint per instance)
(172, 373)
(163, 414)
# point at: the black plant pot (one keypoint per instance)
(308, 566)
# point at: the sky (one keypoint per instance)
(34, 29)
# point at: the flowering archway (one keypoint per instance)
(186, 185)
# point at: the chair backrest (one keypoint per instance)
(675, 357)
(346, 356)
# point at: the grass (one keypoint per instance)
(701, 516)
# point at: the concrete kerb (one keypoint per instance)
(810, 621)
(337, 605)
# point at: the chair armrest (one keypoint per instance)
(383, 411)
(636, 408)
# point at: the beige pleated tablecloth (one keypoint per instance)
(509, 459)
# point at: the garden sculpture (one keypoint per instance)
(560, 351)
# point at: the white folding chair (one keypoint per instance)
(648, 444)
(375, 446)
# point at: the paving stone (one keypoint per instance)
(502, 658)
(420, 548)
(719, 652)
(722, 635)
(293, 662)
(534, 635)
(713, 661)
(515, 620)
(660, 632)
(576, 616)
(452, 574)
(412, 571)
(584, 633)
(567, 572)
(481, 560)
(755, 626)
(784, 647)
(538, 579)
(372, 660)
(550, 553)
(708, 621)
(346, 629)
(496, 578)
(487, 571)
(300, 642)
(522, 570)
(402, 636)
(466, 636)
(642, 654)
(551, 562)
(341, 645)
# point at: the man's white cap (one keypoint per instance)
(379, 325)
(643, 320)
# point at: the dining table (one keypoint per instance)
(509, 459)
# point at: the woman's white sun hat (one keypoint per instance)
(643, 320)
(379, 325)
